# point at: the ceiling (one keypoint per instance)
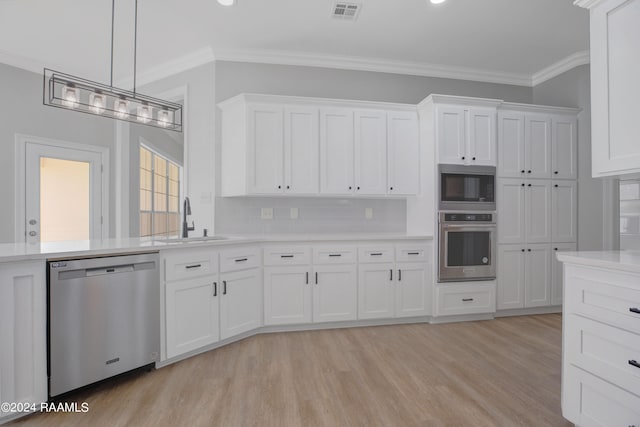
(490, 40)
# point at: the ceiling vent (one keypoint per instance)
(346, 11)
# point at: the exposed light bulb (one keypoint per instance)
(144, 113)
(70, 95)
(165, 118)
(437, 1)
(227, 2)
(121, 107)
(97, 102)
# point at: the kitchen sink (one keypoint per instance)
(192, 239)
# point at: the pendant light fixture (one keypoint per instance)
(74, 93)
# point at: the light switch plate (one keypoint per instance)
(368, 213)
(266, 213)
(293, 213)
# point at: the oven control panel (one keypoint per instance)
(468, 217)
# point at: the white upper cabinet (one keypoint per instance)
(301, 150)
(511, 152)
(466, 135)
(336, 151)
(564, 150)
(265, 142)
(537, 142)
(615, 67)
(403, 153)
(370, 152)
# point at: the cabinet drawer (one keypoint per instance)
(376, 254)
(413, 253)
(239, 259)
(603, 295)
(287, 255)
(334, 255)
(190, 264)
(589, 401)
(606, 351)
(465, 299)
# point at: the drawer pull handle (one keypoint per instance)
(215, 289)
(634, 363)
(316, 277)
(284, 256)
(399, 275)
(376, 254)
(334, 255)
(414, 253)
(306, 280)
(242, 259)
(635, 310)
(391, 274)
(188, 267)
(467, 299)
(224, 287)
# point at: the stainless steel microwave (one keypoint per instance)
(467, 188)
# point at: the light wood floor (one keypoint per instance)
(503, 372)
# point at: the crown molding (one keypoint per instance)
(587, 4)
(371, 64)
(566, 64)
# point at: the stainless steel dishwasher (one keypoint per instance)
(104, 318)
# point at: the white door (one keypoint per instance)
(301, 150)
(403, 153)
(376, 291)
(557, 289)
(413, 295)
(266, 149)
(511, 270)
(371, 152)
(537, 281)
(564, 215)
(192, 314)
(511, 208)
(564, 151)
(537, 140)
(336, 151)
(64, 190)
(335, 292)
(287, 295)
(537, 211)
(482, 137)
(451, 135)
(511, 149)
(240, 302)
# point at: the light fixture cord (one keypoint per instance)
(135, 48)
(113, 14)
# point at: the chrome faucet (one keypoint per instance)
(186, 210)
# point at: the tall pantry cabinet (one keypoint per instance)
(537, 202)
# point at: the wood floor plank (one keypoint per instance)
(503, 372)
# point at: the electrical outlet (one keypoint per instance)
(266, 213)
(368, 213)
(293, 213)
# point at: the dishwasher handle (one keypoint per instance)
(105, 270)
(91, 272)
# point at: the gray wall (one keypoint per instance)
(572, 89)
(22, 111)
(233, 78)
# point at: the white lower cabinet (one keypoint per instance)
(240, 302)
(413, 295)
(557, 287)
(524, 276)
(287, 295)
(465, 298)
(23, 354)
(192, 314)
(335, 293)
(376, 291)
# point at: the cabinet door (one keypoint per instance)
(537, 211)
(371, 152)
(266, 149)
(537, 282)
(564, 147)
(564, 211)
(403, 153)
(240, 302)
(511, 149)
(335, 293)
(376, 291)
(511, 269)
(557, 289)
(336, 151)
(451, 135)
(482, 137)
(537, 142)
(23, 354)
(287, 295)
(413, 289)
(192, 317)
(301, 150)
(511, 206)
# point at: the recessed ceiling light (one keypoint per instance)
(227, 2)
(432, 1)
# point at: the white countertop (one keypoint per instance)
(614, 260)
(23, 251)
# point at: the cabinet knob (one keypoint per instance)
(528, 250)
(522, 250)
(473, 158)
(528, 171)
(288, 187)
(555, 249)
(522, 171)
(523, 184)
(556, 185)
(279, 187)
(529, 185)
(357, 188)
(350, 187)
(391, 188)
(462, 157)
(556, 172)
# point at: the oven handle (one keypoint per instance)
(473, 227)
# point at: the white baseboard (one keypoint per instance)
(529, 311)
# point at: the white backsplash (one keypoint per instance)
(315, 215)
